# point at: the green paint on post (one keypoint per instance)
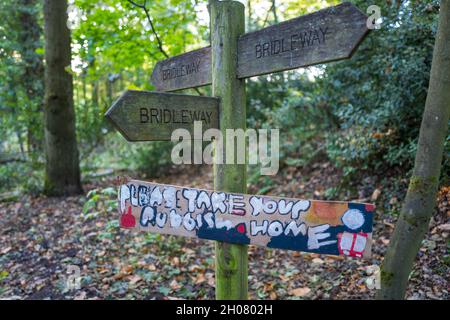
(227, 24)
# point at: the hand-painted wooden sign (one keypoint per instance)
(326, 35)
(336, 228)
(323, 36)
(152, 116)
(189, 70)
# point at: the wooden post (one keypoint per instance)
(227, 24)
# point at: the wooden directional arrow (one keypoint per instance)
(323, 36)
(191, 69)
(327, 35)
(152, 116)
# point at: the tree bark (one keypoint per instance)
(95, 103)
(62, 165)
(109, 90)
(421, 196)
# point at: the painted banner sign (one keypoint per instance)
(335, 228)
(153, 116)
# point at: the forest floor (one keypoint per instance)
(43, 238)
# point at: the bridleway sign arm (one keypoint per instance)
(188, 70)
(326, 35)
(153, 116)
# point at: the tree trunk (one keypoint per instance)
(95, 103)
(14, 102)
(109, 90)
(33, 76)
(421, 196)
(62, 165)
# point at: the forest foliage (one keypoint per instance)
(362, 115)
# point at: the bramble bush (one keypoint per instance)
(379, 95)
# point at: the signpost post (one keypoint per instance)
(227, 214)
(227, 24)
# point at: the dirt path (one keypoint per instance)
(41, 237)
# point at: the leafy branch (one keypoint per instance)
(161, 49)
(144, 7)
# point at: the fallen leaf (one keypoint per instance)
(442, 227)
(376, 193)
(6, 250)
(300, 292)
(80, 296)
(390, 225)
(317, 261)
(211, 279)
(284, 278)
(175, 285)
(103, 270)
(195, 268)
(126, 269)
(200, 278)
(117, 276)
(188, 251)
(335, 258)
(134, 279)
(268, 287)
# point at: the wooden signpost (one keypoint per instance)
(189, 70)
(327, 35)
(227, 214)
(153, 116)
(227, 24)
(327, 227)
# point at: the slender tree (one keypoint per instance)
(33, 71)
(421, 196)
(62, 166)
